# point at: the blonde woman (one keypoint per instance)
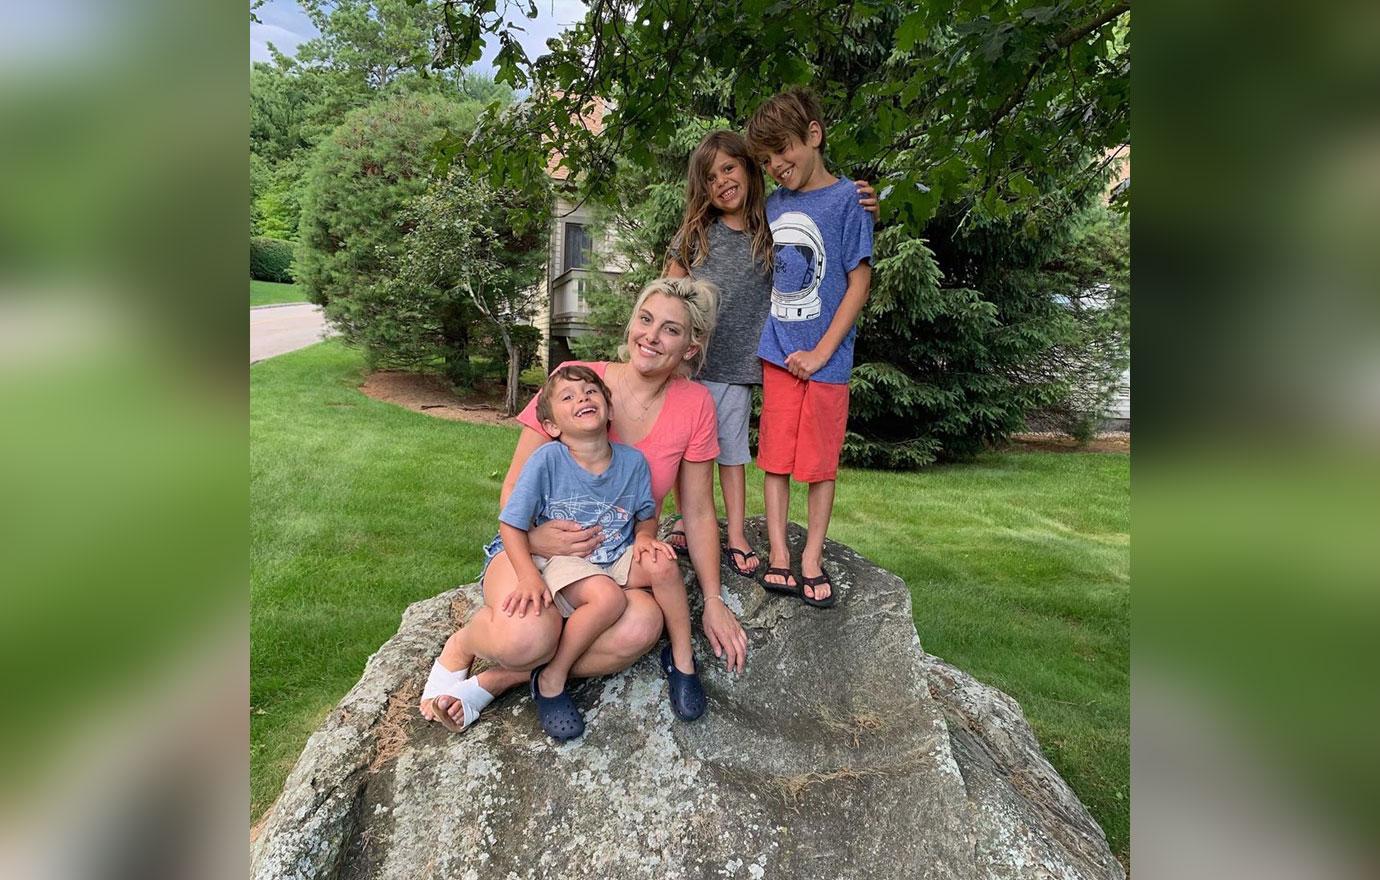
(671, 421)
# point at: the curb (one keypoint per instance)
(279, 305)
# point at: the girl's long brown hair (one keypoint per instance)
(692, 239)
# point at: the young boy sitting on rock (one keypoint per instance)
(590, 480)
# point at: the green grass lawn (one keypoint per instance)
(267, 293)
(1018, 564)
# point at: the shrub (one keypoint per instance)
(270, 259)
(359, 180)
(463, 283)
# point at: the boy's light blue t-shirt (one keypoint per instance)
(818, 237)
(552, 485)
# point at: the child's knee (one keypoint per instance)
(609, 597)
(662, 570)
(603, 597)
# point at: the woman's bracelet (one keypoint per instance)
(718, 596)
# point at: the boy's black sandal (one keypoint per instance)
(688, 701)
(730, 556)
(559, 716)
(783, 589)
(818, 581)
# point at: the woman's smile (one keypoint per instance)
(658, 337)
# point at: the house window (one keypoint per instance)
(577, 246)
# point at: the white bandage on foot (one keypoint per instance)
(441, 679)
(458, 684)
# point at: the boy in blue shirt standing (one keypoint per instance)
(822, 248)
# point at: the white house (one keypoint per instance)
(562, 309)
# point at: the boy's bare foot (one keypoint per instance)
(814, 571)
(676, 537)
(548, 685)
(778, 577)
(683, 656)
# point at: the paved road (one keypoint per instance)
(280, 329)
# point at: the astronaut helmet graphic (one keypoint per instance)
(798, 270)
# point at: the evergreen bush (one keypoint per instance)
(270, 259)
(360, 179)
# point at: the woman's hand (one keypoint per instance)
(867, 197)
(561, 537)
(725, 634)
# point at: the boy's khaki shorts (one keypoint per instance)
(560, 572)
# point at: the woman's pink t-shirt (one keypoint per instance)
(686, 429)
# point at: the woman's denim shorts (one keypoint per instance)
(491, 549)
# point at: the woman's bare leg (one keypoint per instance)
(516, 644)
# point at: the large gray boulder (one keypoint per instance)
(843, 751)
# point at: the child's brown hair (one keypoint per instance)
(569, 373)
(783, 117)
(692, 239)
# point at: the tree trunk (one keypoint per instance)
(455, 328)
(510, 401)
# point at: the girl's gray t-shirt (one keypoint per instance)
(744, 299)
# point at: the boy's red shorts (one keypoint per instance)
(802, 426)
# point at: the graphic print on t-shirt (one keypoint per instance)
(798, 269)
(589, 510)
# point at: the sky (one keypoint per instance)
(284, 24)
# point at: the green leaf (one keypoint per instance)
(794, 70)
(912, 30)
(1021, 185)
(913, 87)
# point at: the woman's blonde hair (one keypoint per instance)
(691, 241)
(701, 300)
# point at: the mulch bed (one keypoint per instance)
(432, 395)
(1114, 441)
